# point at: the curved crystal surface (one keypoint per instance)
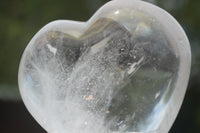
(125, 70)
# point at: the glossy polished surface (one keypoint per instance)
(125, 70)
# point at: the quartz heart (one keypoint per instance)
(125, 70)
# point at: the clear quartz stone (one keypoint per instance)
(119, 72)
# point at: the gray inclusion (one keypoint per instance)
(108, 76)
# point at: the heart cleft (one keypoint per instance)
(125, 70)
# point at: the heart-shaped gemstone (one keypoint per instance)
(125, 70)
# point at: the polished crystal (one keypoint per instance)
(125, 70)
